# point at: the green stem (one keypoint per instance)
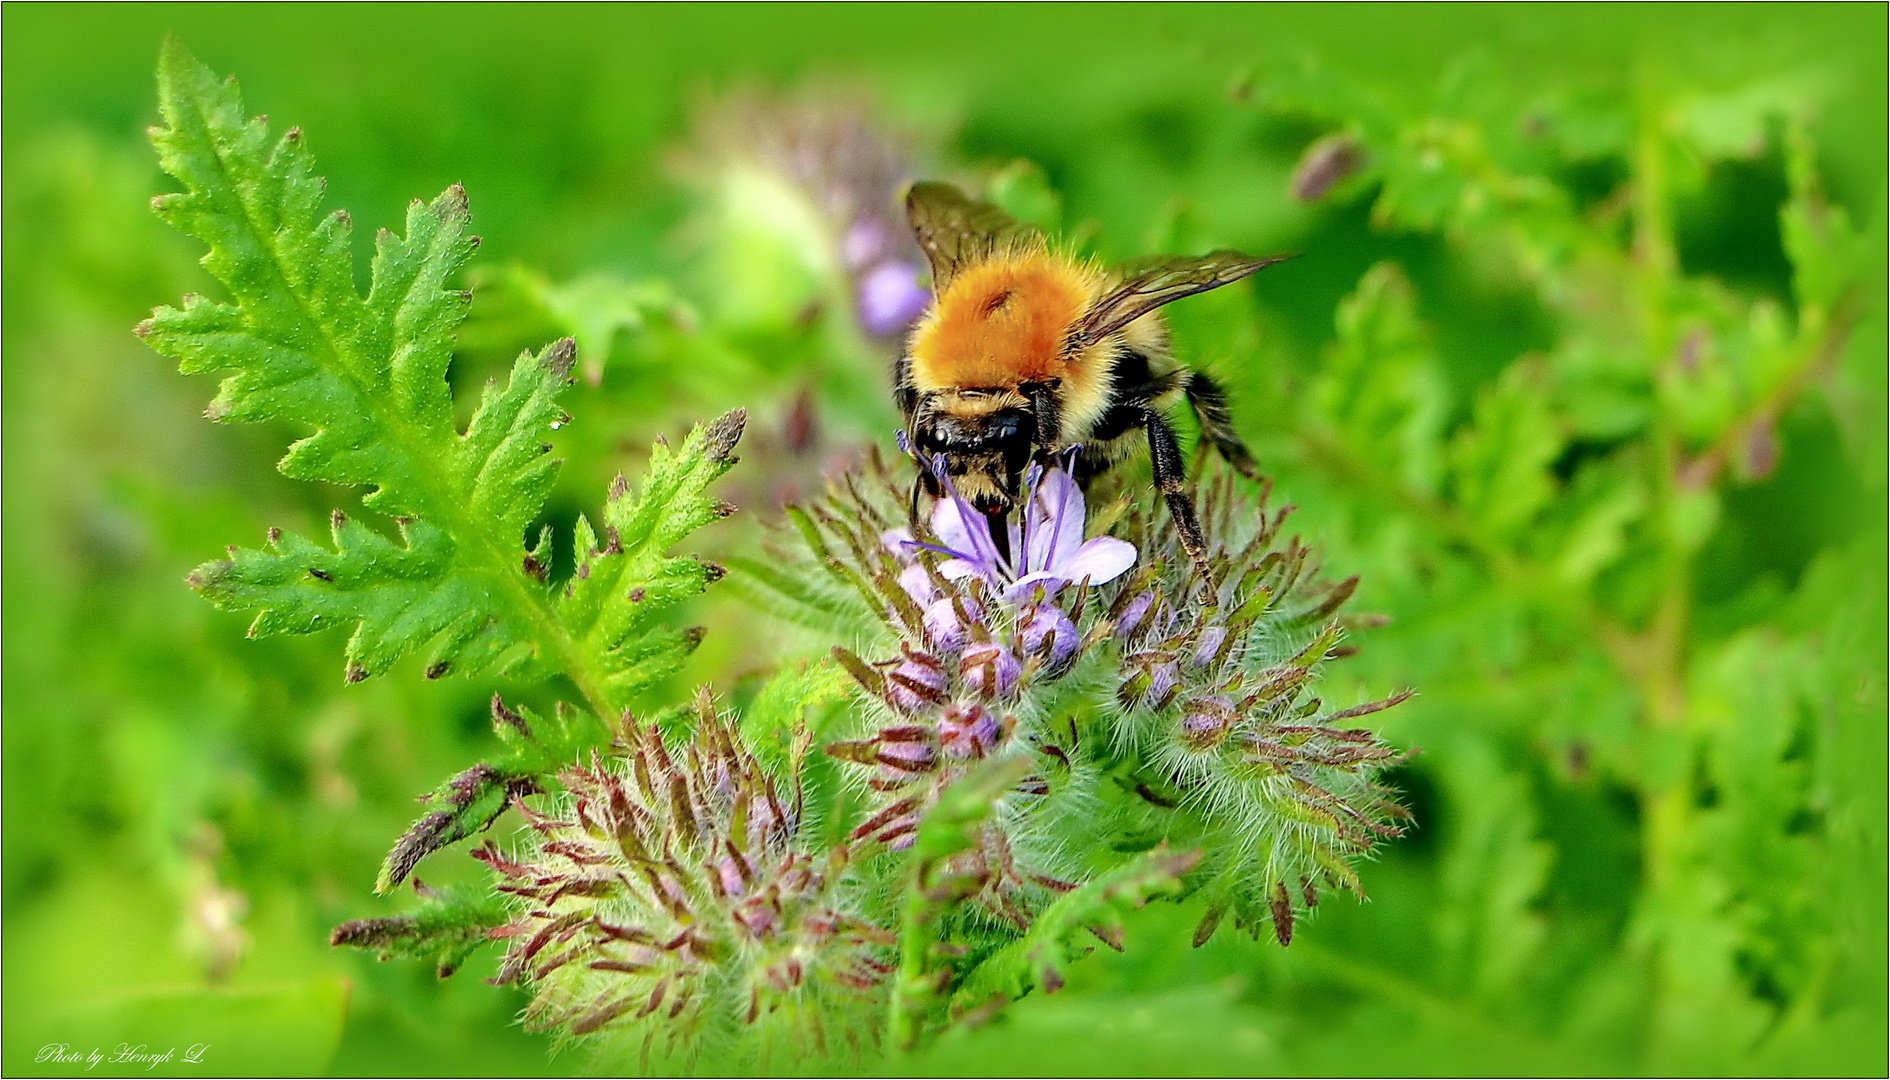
(905, 1018)
(1666, 799)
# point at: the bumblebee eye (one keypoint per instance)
(1016, 454)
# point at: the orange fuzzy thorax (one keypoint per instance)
(1001, 323)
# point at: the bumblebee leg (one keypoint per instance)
(1171, 477)
(1217, 423)
(1047, 411)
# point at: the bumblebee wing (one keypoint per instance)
(953, 230)
(1151, 283)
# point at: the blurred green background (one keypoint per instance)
(1582, 369)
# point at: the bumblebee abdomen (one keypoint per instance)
(1002, 323)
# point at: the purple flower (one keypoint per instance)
(910, 757)
(1132, 616)
(1205, 721)
(916, 683)
(913, 579)
(730, 877)
(942, 623)
(865, 242)
(1209, 646)
(1159, 682)
(1049, 544)
(889, 297)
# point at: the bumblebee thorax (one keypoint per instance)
(1001, 323)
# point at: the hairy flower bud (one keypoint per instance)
(1133, 615)
(918, 584)
(1049, 633)
(967, 730)
(944, 627)
(1205, 721)
(906, 757)
(1324, 164)
(666, 895)
(1207, 649)
(1164, 680)
(989, 670)
(917, 683)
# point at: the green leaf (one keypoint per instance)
(369, 374)
(450, 926)
(469, 802)
(303, 345)
(1380, 390)
(593, 309)
(779, 714)
(1500, 463)
(954, 822)
(623, 581)
(1038, 958)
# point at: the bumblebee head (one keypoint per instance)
(982, 438)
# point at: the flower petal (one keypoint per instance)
(1056, 523)
(965, 530)
(918, 584)
(899, 541)
(1099, 560)
(959, 569)
(1019, 591)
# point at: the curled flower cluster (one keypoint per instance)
(666, 893)
(1100, 699)
(979, 633)
(1106, 656)
(1214, 690)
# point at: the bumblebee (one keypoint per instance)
(1026, 354)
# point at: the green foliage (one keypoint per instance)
(370, 375)
(1095, 908)
(1379, 392)
(1586, 492)
(449, 927)
(536, 750)
(1601, 429)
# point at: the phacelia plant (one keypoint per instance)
(999, 748)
